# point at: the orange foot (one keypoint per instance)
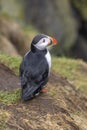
(43, 91)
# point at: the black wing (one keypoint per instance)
(34, 75)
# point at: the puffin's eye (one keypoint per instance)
(43, 40)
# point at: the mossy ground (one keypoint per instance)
(74, 70)
(68, 68)
(53, 108)
(12, 62)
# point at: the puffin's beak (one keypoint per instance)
(53, 41)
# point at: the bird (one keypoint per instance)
(35, 67)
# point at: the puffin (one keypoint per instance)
(35, 67)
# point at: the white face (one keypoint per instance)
(43, 43)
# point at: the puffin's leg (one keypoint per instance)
(43, 90)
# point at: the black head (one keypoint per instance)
(37, 38)
(41, 41)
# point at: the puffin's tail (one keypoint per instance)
(29, 92)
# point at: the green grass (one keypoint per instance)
(12, 62)
(65, 67)
(10, 97)
(72, 70)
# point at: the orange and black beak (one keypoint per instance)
(53, 41)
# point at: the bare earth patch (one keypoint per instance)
(8, 80)
(58, 109)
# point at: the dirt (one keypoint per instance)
(8, 80)
(54, 110)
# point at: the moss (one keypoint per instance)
(12, 62)
(10, 97)
(64, 66)
(72, 70)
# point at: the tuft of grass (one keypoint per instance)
(12, 62)
(10, 97)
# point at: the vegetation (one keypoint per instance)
(10, 103)
(69, 68)
(10, 97)
(72, 70)
(12, 62)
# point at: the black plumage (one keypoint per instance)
(33, 72)
(35, 66)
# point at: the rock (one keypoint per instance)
(7, 47)
(12, 31)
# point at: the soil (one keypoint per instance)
(8, 80)
(54, 110)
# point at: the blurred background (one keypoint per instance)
(66, 20)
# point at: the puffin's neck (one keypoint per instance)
(36, 50)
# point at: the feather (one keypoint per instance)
(34, 71)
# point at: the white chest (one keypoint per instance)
(48, 58)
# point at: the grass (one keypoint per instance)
(65, 67)
(12, 62)
(10, 97)
(4, 116)
(72, 70)
(3, 125)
